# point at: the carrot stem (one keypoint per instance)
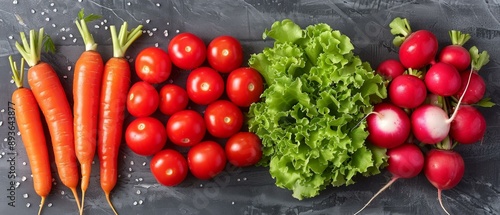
(124, 39)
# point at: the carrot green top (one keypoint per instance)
(81, 24)
(124, 39)
(32, 50)
(17, 73)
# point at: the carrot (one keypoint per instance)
(86, 85)
(116, 82)
(52, 100)
(30, 125)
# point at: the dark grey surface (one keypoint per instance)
(252, 190)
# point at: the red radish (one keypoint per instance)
(405, 161)
(390, 69)
(477, 87)
(388, 126)
(469, 125)
(417, 49)
(407, 91)
(455, 54)
(444, 169)
(442, 79)
(430, 124)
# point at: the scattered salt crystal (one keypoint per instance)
(47, 19)
(131, 162)
(28, 205)
(33, 11)
(14, 2)
(135, 202)
(23, 178)
(156, 45)
(154, 29)
(50, 204)
(140, 202)
(1, 123)
(24, 163)
(65, 76)
(63, 38)
(11, 37)
(74, 40)
(69, 68)
(128, 3)
(25, 195)
(53, 25)
(148, 20)
(70, 35)
(138, 192)
(52, 4)
(62, 192)
(96, 26)
(158, 4)
(55, 10)
(144, 163)
(165, 33)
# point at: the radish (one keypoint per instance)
(407, 91)
(405, 161)
(430, 124)
(455, 54)
(444, 169)
(477, 86)
(417, 49)
(388, 126)
(390, 69)
(443, 79)
(469, 125)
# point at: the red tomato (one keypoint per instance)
(225, 54)
(244, 149)
(187, 51)
(206, 160)
(169, 167)
(204, 85)
(244, 86)
(145, 136)
(223, 118)
(153, 65)
(186, 128)
(173, 99)
(142, 100)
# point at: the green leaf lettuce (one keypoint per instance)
(310, 118)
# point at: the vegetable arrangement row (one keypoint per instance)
(317, 114)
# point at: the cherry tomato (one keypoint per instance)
(206, 160)
(142, 100)
(244, 149)
(244, 86)
(187, 51)
(145, 136)
(204, 85)
(173, 99)
(186, 128)
(153, 65)
(169, 167)
(223, 118)
(225, 54)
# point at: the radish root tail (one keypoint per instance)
(378, 193)
(441, 202)
(110, 204)
(461, 97)
(42, 202)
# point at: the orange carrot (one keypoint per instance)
(30, 125)
(52, 100)
(86, 86)
(116, 82)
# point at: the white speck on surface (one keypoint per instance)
(140, 179)
(165, 33)
(33, 11)
(54, 25)
(1, 156)
(11, 81)
(158, 4)
(135, 203)
(18, 133)
(201, 185)
(63, 38)
(244, 179)
(5, 139)
(177, 31)
(74, 40)
(168, 23)
(119, 175)
(128, 3)
(65, 76)
(238, 179)
(154, 29)
(138, 192)
(1, 123)
(24, 163)
(62, 192)
(3, 110)
(3, 153)
(148, 21)
(55, 10)
(11, 37)
(70, 35)
(47, 19)
(43, 13)
(102, 23)
(52, 4)
(96, 26)
(130, 169)
(69, 68)
(129, 175)
(144, 163)
(49, 205)
(156, 45)
(23, 178)
(105, 27)
(125, 156)
(14, 2)
(140, 202)
(25, 195)
(105, 21)
(28, 205)
(131, 162)
(232, 203)
(17, 184)
(150, 34)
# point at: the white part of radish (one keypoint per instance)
(388, 121)
(436, 122)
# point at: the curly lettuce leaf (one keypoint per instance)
(317, 92)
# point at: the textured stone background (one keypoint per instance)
(252, 190)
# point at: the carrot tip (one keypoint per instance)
(42, 202)
(110, 204)
(77, 199)
(83, 202)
